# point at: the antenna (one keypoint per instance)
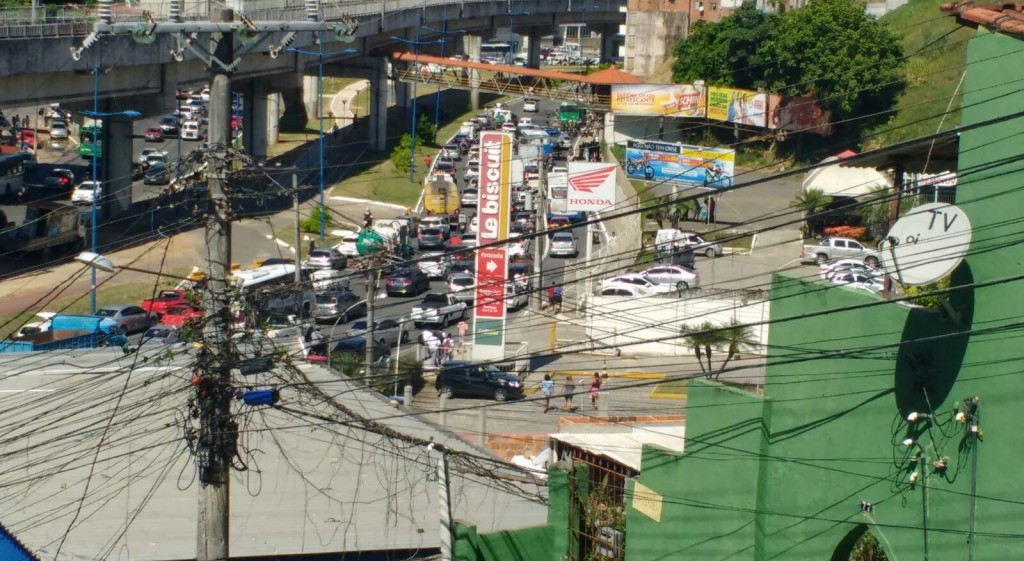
(926, 244)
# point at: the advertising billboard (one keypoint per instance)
(659, 100)
(798, 114)
(591, 186)
(733, 105)
(680, 163)
(491, 262)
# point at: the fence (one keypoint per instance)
(517, 356)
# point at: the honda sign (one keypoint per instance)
(591, 186)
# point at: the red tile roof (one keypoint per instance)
(1004, 17)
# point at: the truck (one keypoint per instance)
(50, 228)
(166, 300)
(832, 249)
(67, 331)
(438, 309)
(441, 195)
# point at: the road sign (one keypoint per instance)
(489, 319)
(495, 176)
(926, 244)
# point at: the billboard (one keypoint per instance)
(659, 100)
(733, 105)
(491, 262)
(680, 163)
(591, 186)
(798, 114)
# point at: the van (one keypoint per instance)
(190, 130)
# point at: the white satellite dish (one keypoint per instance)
(926, 244)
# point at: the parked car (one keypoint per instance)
(328, 258)
(858, 279)
(154, 134)
(128, 317)
(430, 238)
(681, 278)
(59, 130)
(407, 282)
(340, 306)
(563, 244)
(637, 281)
(159, 335)
(86, 191)
(623, 290)
(33, 327)
(831, 249)
(462, 287)
(845, 266)
(461, 378)
(386, 331)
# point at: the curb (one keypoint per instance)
(367, 202)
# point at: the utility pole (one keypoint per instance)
(217, 431)
(539, 207)
(298, 235)
(371, 302)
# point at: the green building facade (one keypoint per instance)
(876, 415)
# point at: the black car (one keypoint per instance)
(407, 281)
(431, 238)
(157, 174)
(464, 267)
(169, 125)
(461, 378)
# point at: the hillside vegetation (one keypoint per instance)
(936, 48)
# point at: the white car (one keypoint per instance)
(508, 127)
(190, 130)
(627, 291)
(462, 287)
(349, 243)
(676, 276)
(829, 270)
(515, 297)
(33, 327)
(86, 191)
(432, 265)
(633, 280)
(530, 106)
(59, 130)
(281, 326)
(146, 152)
(864, 281)
(329, 279)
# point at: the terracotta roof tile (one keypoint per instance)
(1004, 17)
(596, 78)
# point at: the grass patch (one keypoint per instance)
(733, 240)
(936, 54)
(124, 293)
(672, 389)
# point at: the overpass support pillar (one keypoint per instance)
(471, 47)
(311, 97)
(257, 123)
(377, 119)
(533, 48)
(117, 165)
(609, 42)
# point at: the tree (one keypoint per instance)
(874, 213)
(850, 62)
(704, 338)
(726, 53)
(401, 155)
(811, 202)
(426, 131)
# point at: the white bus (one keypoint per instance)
(273, 288)
(12, 172)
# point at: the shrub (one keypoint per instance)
(855, 232)
(311, 225)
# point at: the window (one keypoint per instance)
(840, 243)
(855, 245)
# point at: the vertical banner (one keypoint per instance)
(492, 262)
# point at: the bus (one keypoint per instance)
(496, 52)
(569, 113)
(12, 173)
(90, 141)
(271, 289)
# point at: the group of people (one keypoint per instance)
(547, 390)
(439, 345)
(555, 298)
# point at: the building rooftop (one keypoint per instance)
(625, 448)
(1004, 17)
(91, 447)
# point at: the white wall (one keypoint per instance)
(638, 325)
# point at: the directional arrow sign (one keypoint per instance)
(492, 268)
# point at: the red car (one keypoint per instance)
(154, 134)
(236, 122)
(180, 316)
(166, 300)
(27, 135)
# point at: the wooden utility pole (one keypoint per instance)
(216, 444)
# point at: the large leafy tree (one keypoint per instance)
(811, 202)
(849, 61)
(725, 53)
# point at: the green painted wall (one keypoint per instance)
(708, 493)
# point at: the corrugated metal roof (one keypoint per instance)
(312, 486)
(625, 448)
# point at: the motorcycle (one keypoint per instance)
(634, 166)
(716, 177)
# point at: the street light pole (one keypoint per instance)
(415, 81)
(444, 33)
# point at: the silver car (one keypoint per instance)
(681, 278)
(59, 130)
(159, 335)
(128, 317)
(385, 331)
(470, 197)
(563, 244)
(328, 258)
(462, 287)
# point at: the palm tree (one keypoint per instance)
(735, 336)
(811, 202)
(702, 338)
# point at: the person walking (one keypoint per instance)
(447, 347)
(551, 296)
(547, 389)
(463, 330)
(568, 389)
(312, 246)
(595, 390)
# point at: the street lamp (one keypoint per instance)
(98, 262)
(444, 33)
(320, 54)
(415, 81)
(97, 185)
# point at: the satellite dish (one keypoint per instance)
(926, 244)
